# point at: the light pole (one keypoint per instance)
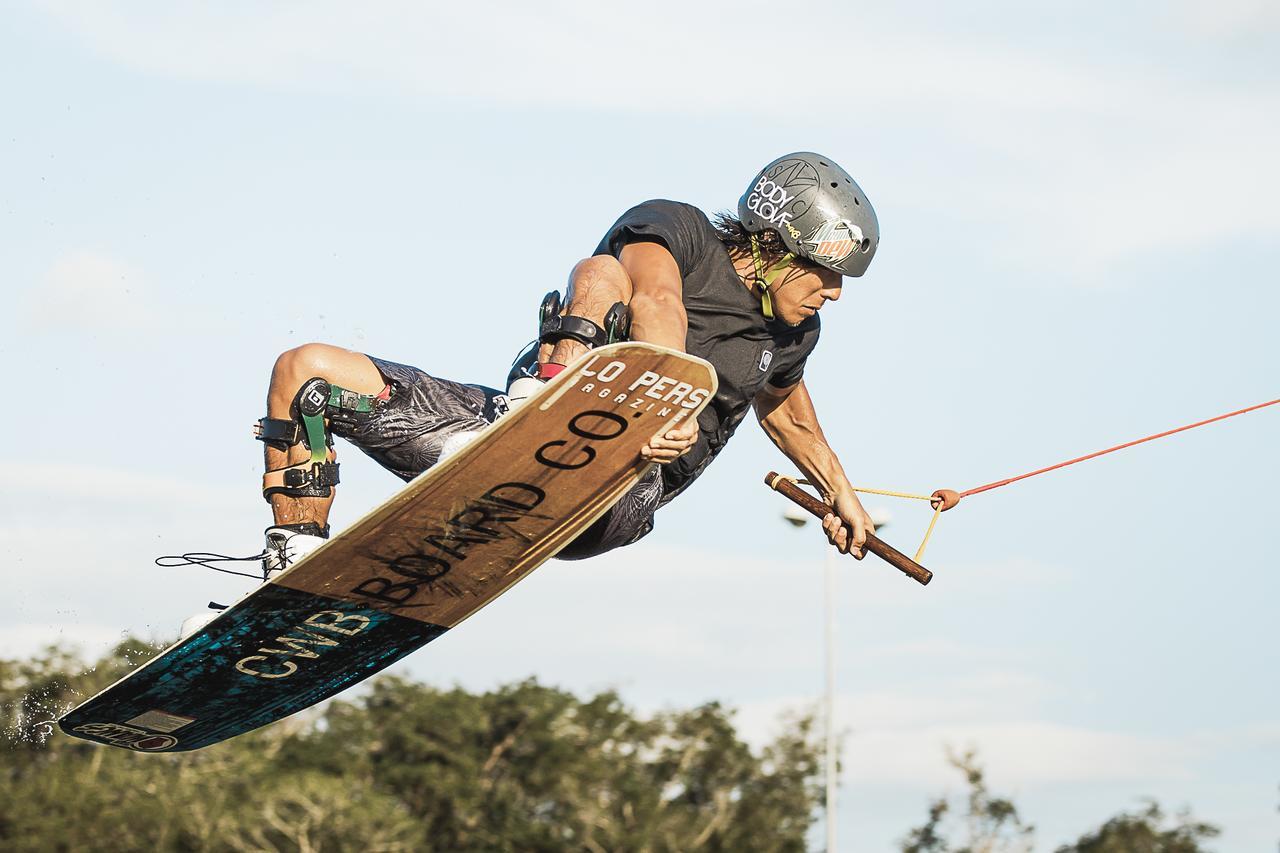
(797, 517)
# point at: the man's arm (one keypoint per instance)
(658, 317)
(657, 306)
(788, 418)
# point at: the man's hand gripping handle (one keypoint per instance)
(879, 547)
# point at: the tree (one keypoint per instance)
(527, 767)
(990, 824)
(1142, 832)
(404, 766)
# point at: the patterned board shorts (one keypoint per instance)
(407, 434)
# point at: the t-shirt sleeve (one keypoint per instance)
(790, 370)
(678, 227)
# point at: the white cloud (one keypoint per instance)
(19, 641)
(1082, 157)
(525, 55)
(902, 739)
(79, 542)
(1026, 753)
(1228, 18)
(91, 290)
(941, 649)
(59, 482)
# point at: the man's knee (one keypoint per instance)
(315, 390)
(345, 368)
(600, 278)
(299, 364)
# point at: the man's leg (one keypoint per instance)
(627, 521)
(594, 286)
(305, 516)
(351, 370)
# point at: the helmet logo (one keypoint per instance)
(833, 241)
(767, 200)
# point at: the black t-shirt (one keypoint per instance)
(726, 325)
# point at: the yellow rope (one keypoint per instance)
(937, 512)
(884, 492)
(890, 494)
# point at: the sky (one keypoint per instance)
(1079, 237)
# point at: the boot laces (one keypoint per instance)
(209, 561)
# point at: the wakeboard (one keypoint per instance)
(453, 540)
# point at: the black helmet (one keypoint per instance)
(817, 209)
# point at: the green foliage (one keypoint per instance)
(990, 824)
(1142, 832)
(404, 767)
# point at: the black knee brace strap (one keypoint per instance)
(304, 480)
(316, 400)
(554, 326)
(580, 329)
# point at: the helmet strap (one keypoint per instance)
(767, 277)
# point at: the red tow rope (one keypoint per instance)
(989, 486)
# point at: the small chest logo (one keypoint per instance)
(766, 359)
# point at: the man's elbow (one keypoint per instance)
(657, 303)
(659, 310)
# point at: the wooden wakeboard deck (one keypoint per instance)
(450, 542)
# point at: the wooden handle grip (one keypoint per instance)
(875, 545)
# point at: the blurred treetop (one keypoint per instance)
(404, 766)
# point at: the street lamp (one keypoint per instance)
(797, 517)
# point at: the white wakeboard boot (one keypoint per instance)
(522, 389)
(286, 545)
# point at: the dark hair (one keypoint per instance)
(737, 239)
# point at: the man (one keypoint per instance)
(741, 292)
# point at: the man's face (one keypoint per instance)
(802, 291)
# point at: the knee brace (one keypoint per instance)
(553, 326)
(317, 403)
